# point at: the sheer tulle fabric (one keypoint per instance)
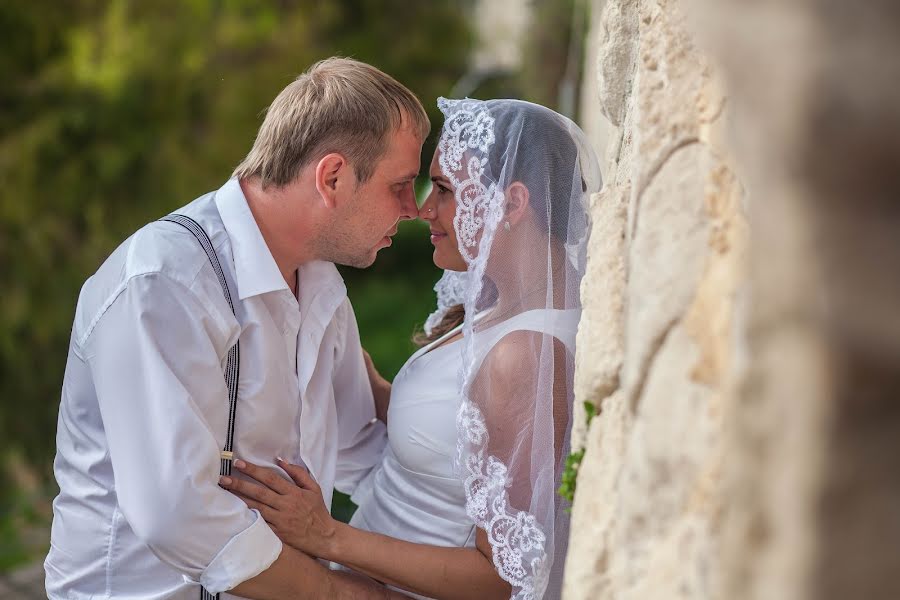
(450, 290)
(515, 414)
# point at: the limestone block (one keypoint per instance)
(649, 504)
(671, 82)
(594, 510)
(594, 123)
(751, 446)
(600, 342)
(660, 496)
(816, 436)
(666, 257)
(618, 50)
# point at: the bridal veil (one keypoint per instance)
(522, 175)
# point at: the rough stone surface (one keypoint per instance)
(658, 339)
(747, 445)
(601, 356)
(815, 483)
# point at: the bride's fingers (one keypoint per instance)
(299, 474)
(264, 509)
(250, 490)
(268, 477)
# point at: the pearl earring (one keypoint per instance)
(506, 225)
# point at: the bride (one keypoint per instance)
(464, 503)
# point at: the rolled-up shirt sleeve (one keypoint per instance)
(362, 437)
(156, 358)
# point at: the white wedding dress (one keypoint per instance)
(414, 493)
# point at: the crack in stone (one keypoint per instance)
(658, 343)
(651, 175)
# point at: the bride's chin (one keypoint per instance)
(441, 262)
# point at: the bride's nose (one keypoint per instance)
(426, 211)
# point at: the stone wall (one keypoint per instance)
(657, 345)
(748, 437)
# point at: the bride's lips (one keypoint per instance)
(437, 236)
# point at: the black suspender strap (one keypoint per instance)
(232, 368)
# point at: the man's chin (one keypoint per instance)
(360, 262)
(368, 261)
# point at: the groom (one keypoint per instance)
(145, 406)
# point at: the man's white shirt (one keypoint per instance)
(144, 409)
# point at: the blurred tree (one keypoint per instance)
(113, 113)
(553, 53)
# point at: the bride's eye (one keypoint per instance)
(442, 189)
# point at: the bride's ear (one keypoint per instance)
(516, 202)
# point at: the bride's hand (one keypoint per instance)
(381, 388)
(296, 513)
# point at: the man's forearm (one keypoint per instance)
(294, 575)
(354, 585)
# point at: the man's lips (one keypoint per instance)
(386, 240)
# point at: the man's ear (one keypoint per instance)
(515, 202)
(333, 174)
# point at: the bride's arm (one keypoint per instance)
(381, 389)
(434, 571)
(297, 514)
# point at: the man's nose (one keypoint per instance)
(408, 208)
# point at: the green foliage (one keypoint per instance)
(570, 474)
(113, 113)
(573, 461)
(590, 411)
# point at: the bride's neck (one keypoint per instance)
(514, 297)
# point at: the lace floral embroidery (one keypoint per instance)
(518, 543)
(516, 539)
(465, 140)
(450, 290)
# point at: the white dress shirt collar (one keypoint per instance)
(256, 271)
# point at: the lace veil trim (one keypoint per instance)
(518, 543)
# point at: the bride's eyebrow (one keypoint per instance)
(439, 179)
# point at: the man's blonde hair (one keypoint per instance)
(338, 105)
